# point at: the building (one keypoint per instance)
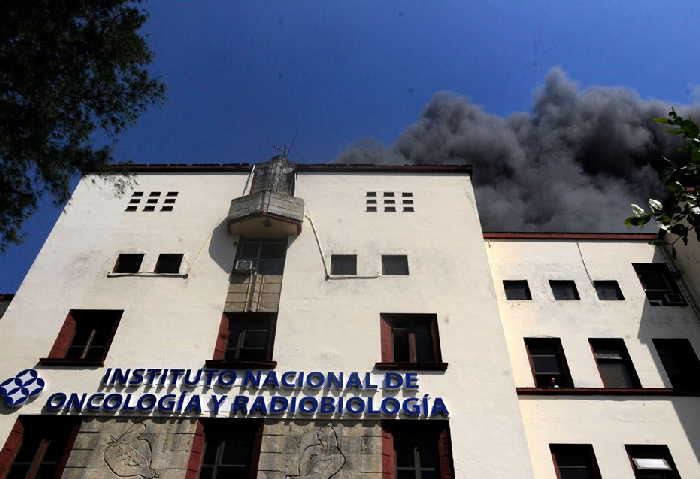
(334, 321)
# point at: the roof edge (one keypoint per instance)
(572, 236)
(300, 167)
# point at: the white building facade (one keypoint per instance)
(340, 321)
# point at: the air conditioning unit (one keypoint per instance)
(244, 266)
(674, 299)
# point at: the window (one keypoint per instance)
(548, 363)
(574, 461)
(168, 263)
(85, 337)
(564, 290)
(652, 462)
(390, 209)
(517, 290)
(608, 290)
(410, 340)
(614, 363)
(262, 257)
(246, 337)
(680, 362)
(394, 264)
(344, 264)
(417, 450)
(38, 446)
(128, 263)
(659, 285)
(226, 448)
(152, 201)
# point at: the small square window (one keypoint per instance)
(371, 209)
(135, 200)
(564, 290)
(407, 202)
(137, 193)
(408, 209)
(394, 264)
(128, 263)
(372, 193)
(608, 290)
(130, 208)
(388, 193)
(149, 208)
(155, 193)
(168, 263)
(389, 202)
(406, 194)
(517, 290)
(172, 193)
(153, 200)
(166, 208)
(344, 264)
(371, 202)
(390, 209)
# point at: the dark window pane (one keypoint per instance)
(401, 347)
(371, 193)
(615, 366)
(248, 251)
(271, 266)
(424, 346)
(564, 290)
(546, 364)
(371, 209)
(255, 339)
(680, 362)
(517, 290)
(394, 264)
(608, 290)
(390, 209)
(168, 263)
(574, 461)
(128, 263)
(272, 250)
(344, 264)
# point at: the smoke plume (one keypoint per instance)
(574, 163)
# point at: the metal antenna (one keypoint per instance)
(283, 149)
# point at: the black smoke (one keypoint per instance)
(574, 163)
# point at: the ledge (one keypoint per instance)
(602, 392)
(570, 236)
(71, 362)
(222, 364)
(412, 366)
(148, 275)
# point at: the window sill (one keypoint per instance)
(239, 364)
(411, 366)
(71, 362)
(148, 275)
(602, 392)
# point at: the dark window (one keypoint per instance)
(45, 443)
(614, 363)
(262, 257)
(564, 290)
(388, 193)
(680, 362)
(155, 193)
(407, 202)
(390, 209)
(230, 449)
(168, 263)
(659, 286)
(394, 264)
(408, 209)
(128, 263)
(372, 193)
(410, 338)
(169, 200)
(389, 202)
(149, 208)
(86, 336)
(406, 194)
(166, 208)
(608, 290)
(421, 450)
(548, 363)
(344, 264)
(172, 193)
(652, 462)
(517, 290)
(130, 208)
(137, 193)
(152, 200)
(371, 209)
(574, 461)
(371, 202)
(135, 200)
(250, 337)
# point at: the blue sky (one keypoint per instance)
(243, 76)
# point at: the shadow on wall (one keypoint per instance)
(664, 322)
(222, 247)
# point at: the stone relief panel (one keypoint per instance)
(321, 456)
(130, 454)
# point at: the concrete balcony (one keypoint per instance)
(266, 214)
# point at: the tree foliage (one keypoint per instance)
(69, 70)
(679, 213)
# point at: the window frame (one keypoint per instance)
(58, 356)
(260, 244)
(387, 343)
(344, 256)
(589, 456)
(119, 261)
(394, 255)
(221, 346)
(439, 430)
(561, 282)
(626, 360)
(561, 359)
(660, 296)
(512, 282)
(659, 450)
(620, 296)
(171, 256)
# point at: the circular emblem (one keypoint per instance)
(15, 391)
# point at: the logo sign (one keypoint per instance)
(17, 390)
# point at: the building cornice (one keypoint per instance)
(570, 236)
(299, 167)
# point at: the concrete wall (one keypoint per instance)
(608, 423)
(322, 325)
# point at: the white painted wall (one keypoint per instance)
(606, 423)
(322, 325)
